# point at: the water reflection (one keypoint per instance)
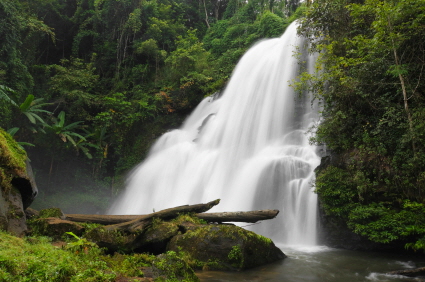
(323, 264)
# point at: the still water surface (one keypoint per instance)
(323, 264)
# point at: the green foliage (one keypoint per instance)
(4, 90)
(368, 76)
(189, 71)
(74, 82)
(35, 259)
(67, 133)
(31, 108)
(383, 224)
(80, 244)
(337, 193)
(174, 268)
(271, 25)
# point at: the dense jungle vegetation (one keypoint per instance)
(371, 78)
(87, 85)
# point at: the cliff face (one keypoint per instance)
(17, 185)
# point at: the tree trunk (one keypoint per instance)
(403, 88)
(241, 216)
(142, 221)
(206, 15)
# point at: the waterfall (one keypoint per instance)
(248, 147)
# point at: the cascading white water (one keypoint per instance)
(249, 148)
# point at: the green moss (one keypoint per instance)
(51, 212)
(170, 267)
(35, 259)
(188, 217)
(12, 160)
(10, 152)
(236, 256)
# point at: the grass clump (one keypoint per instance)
(36, 259)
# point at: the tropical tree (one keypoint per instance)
(31, 108)
(67, 133)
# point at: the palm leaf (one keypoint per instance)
(12, 131)
(26, 144)
(61, 118)
(72, 125)
(85, 151)
(39, 118)
(4, 96)
(30, 117)
(27, 103)
(68, 137)
(39, 110)
(75, 134)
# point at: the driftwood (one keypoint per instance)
(246, 216)
(142, 221)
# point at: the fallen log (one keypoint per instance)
(240, 216)
(101, 219)
(142, 221)
(248, 216)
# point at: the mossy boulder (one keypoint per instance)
(155, 239)
(17, 185)
(55, 227)
(111, 240)
(226, 247)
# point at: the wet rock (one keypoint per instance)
(17, 186)
(31, 213)
(12, 216)
(226, 247)
(26, 185)
(155, 239)
(413, 272)
(111, 240)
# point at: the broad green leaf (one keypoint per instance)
(30, 117)
(61, 118)
(12, 131)
(27, 103)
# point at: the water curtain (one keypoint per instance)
(248, 147)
